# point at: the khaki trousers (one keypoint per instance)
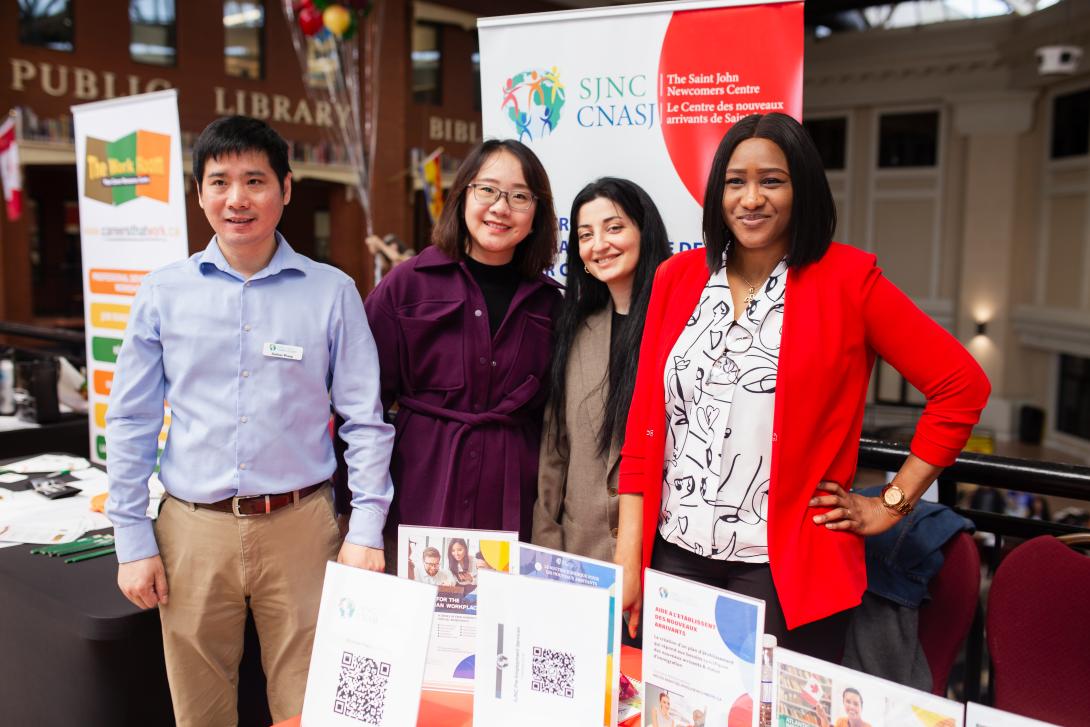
(217, 566)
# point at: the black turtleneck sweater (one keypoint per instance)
(498, 283)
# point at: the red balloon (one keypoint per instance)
(310, 20)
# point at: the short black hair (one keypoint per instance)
(813, 212)
(852, 690)
(233, 135)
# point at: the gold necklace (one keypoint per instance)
(752, 294)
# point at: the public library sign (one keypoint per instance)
(85, 84)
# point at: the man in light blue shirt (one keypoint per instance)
(252, 345)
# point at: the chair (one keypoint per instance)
(1037, 632)
(946, 618)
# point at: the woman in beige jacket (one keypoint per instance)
(617, 241)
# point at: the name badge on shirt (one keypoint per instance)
(282, 350)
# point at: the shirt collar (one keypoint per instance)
(285, 258)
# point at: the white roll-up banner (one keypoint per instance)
(132, 220)
(644, 92)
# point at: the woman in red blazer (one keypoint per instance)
(761, 347)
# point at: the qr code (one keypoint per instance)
(361, 688)
(553, 672)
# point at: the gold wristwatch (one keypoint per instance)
(895, 499)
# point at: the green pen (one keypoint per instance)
(88, 556)
(81, 545)
(93, 541)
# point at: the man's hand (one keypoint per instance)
(144, 582)
(360, 556)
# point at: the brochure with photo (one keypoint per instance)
(542, 655)
(555, 565)
(977, 715)
(808, 692)
(701, 655)
(370, 644)
(451, 559)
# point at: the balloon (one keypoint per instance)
(353, 26)
(337, 19)
(310, 20)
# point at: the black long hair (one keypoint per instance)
(813, 212)
(586, 295)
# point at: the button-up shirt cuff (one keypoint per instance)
(365, 527)
(135, 542)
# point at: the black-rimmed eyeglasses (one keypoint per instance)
(489, 194)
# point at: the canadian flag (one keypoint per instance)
(811, 693)
(10, 175)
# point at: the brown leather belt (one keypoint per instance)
(260, 504)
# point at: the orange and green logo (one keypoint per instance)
(137, 165)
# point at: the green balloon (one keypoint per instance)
(350, 32)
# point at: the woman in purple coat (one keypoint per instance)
(464, 334)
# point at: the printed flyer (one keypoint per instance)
(554, 565)
(808, 691)
(701, 654)
(369, 649)
(644, 92)
(452, 559)
(977, 715)
(541, 652)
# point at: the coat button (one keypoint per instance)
(612, 491)
(613, 532)
(477, 313)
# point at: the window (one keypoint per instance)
(152, 32)
(908, 140)
(243, 38)
(1073, 397)
(427, 61)
(475, 63)
(47, 23)
(475, 60)
(829, 137)
(1071, 124)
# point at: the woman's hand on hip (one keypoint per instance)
(852, 511)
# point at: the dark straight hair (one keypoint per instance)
(586, 295)
(813, 212)
(234, 135)
(536, 251)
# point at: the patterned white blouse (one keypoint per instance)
(720, 397)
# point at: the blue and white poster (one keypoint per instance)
(701, 653)
(554, 565)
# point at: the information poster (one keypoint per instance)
(644, 92)
(701, 653)
(977, 715)
(541, 652)
(807, 691)
(452, 559)
(554, 565)
(369, 649)
(131, 220)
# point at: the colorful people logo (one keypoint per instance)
(533, 100)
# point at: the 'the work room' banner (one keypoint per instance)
(641, 91)
(132, 220)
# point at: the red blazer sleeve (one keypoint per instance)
(641, 468)
(933, 361)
